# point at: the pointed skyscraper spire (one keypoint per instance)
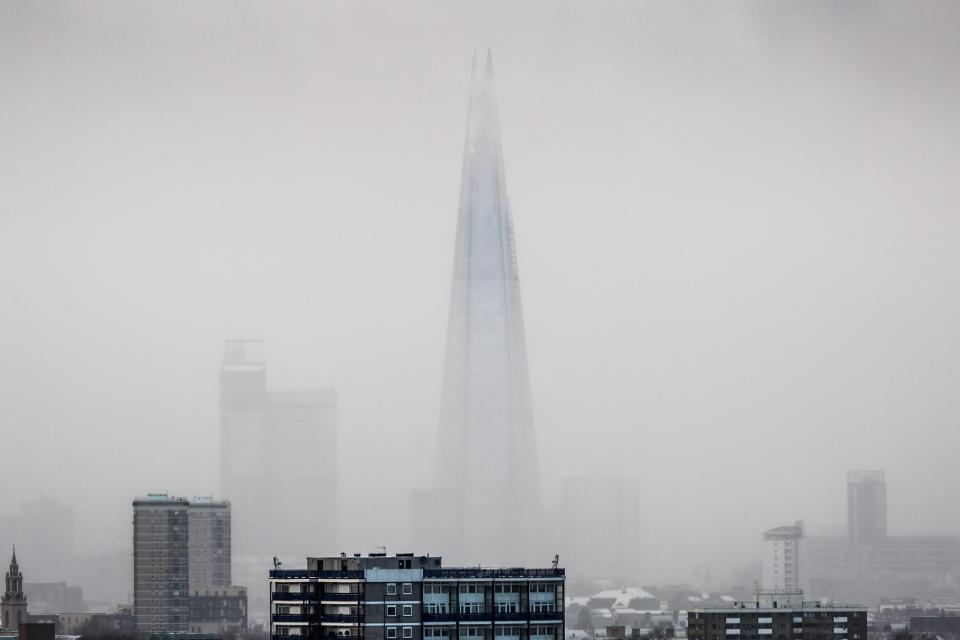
(488, 464)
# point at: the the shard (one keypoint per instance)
(487, 480)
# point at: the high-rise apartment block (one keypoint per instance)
(278, 451)
(407, 597)
(866, 507)
(161, 563)
(180, 549)
(781, 554)
(778, 615)
(209, 539)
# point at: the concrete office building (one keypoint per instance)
(300, 467)
(778, 615)
(781, 555)
(53, 597)
(407, 597)
(278, 451)
(866, 507)
(243, 379)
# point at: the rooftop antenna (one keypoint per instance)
(382, 548)
(276, 563)
(556, 560)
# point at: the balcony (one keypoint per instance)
(439, 617)
(290, 617)
(286, 597)
(341, 597)
(341, 618)
(536, 616)
(475, 617)
(510, 615)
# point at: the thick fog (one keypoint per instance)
(737, 229)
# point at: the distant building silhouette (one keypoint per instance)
(867, 565)
(278, 452)
(485, 503)
(866, 507)
(781, 557)
(600, 527)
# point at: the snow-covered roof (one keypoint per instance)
(622, 597)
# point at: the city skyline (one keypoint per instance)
(737, 238)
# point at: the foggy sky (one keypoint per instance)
(736, 226)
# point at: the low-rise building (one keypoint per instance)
(219, 610)
(778, 615)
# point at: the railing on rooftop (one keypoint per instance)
(309, 573)
(466, 573)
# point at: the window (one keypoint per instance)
(407, 588)
(391, 588)
(406, 563)
(407, 610)
(408, 632)
(391, 632)
(436, 607)
(391, 610)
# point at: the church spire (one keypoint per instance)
(13, 606)
(14, 580)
